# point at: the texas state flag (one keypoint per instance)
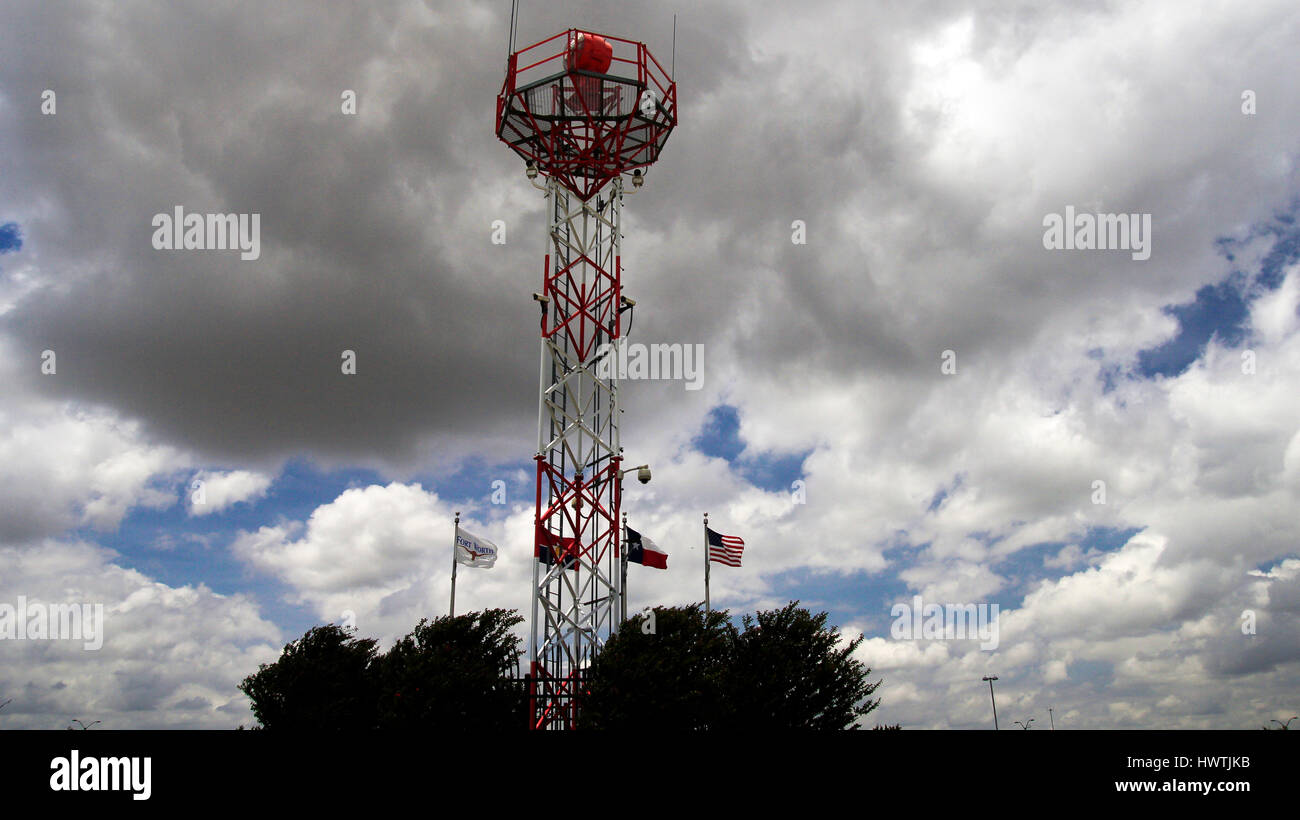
(641, 550)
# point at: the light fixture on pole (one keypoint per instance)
(642, 473)
(990, 679)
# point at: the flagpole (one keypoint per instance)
(454, 562)
(706, 562)
(623, 584)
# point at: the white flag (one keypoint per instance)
(473, 551)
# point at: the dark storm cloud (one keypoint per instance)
(365, 229)
(374, 229)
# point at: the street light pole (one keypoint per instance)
(990, 679)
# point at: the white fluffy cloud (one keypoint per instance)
(1201, 461)
(382, 554)
(220, 490)
(62, 466)
(171, 656)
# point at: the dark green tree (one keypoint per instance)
(792, 671)
(455, 673)
(786, 670)
(670, 680)
(322, 681)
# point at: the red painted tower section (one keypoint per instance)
(583, 110)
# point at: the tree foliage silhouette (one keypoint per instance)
(674, 679)
(785, 670)
(685, 669)
(322, 681)
(792, 671)
(452, 673)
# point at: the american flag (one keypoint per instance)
(724, 549)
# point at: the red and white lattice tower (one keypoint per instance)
(583, 110)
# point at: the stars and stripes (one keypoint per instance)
(724, 549)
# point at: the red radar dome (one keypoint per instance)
(589, 52)
(582, 108)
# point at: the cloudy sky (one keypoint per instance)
(921, 399)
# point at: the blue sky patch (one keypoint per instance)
(11, 237)
(175, 548)
(1222, 311)
(944, 492)
(1219, 311)
(719, 437)
(1025, 568)
(472, 486)
(848, 596)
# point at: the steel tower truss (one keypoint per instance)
(581, 130)
(576, 577)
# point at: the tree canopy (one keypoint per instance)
(323, 680)
(454, 673)
(791, 671)
(674, 679)
(786, 669)
(677, 668)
